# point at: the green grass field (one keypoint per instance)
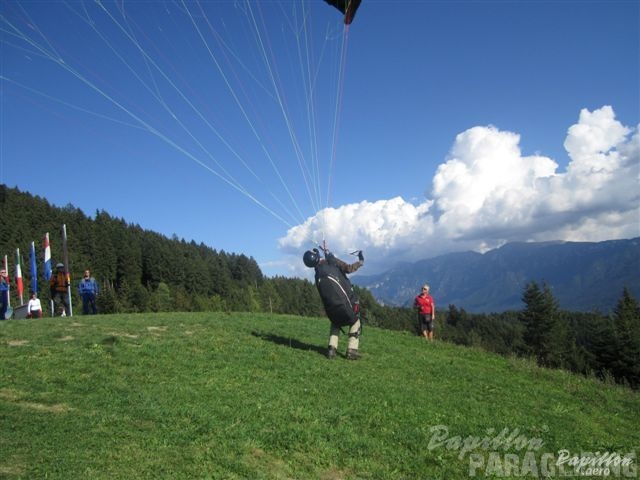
(240, 396)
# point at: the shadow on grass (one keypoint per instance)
(290, 342)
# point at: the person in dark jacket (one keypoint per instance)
(88, 289)
(340, 301)
(58, 289)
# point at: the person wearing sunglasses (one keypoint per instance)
(426, 308)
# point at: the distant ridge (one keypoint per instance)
(584, 276)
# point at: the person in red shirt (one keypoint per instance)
(426, 308)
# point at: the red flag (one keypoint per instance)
(19, 285)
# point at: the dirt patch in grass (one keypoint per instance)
(157, 329)
(66, 338)
(15, 397)
(124, 335)
(10, 395)
(335, 474)
(11, 471)
(263, 462)
(41, 407)
(17, 343)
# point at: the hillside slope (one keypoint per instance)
(252, 396)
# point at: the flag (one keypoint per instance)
(6, 271)
(19, 286)
(34, 269)
(47, 258)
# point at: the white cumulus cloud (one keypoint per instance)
(487, 193)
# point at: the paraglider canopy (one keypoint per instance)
(348, 7)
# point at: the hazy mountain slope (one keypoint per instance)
(584, 276)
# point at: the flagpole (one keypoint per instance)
(66, 266)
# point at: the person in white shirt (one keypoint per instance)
(33, 307)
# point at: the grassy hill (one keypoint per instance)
(239, 396)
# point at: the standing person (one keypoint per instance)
(88, 288)
(58, 288)
(426, 308)
(4, 293)
(339, 300)
(34, 308)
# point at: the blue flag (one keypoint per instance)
(34, 269)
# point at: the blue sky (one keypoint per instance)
(263, 127)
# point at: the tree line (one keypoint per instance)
(142, 271)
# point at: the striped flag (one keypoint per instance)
(47, 258)
(34, 268)
(6, 271)
(19, 285)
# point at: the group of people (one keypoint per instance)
(58, 288)
(338, 296)
(87, 288)
(342, 306)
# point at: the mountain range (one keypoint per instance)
(583, 276)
